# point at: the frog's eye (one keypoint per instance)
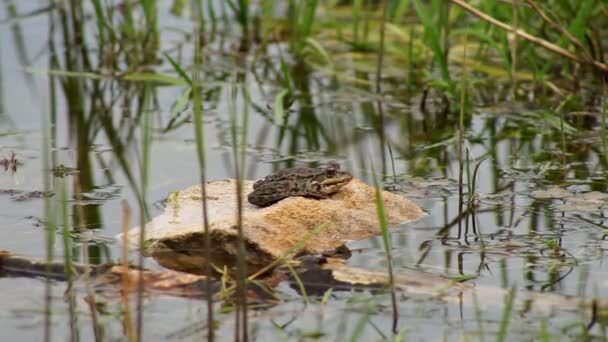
(331, 171)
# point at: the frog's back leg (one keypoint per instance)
(269, 193)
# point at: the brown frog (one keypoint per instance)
(317, 183)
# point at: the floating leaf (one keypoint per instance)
(552, 192)
(578, 204)
(595, 196)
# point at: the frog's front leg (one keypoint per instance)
(315, 195)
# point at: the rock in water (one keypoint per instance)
(294, 225)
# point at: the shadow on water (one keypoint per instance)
(117, 117)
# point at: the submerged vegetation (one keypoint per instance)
(490, 114)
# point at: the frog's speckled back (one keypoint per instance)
(316, 183)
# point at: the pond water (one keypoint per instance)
(540, 187)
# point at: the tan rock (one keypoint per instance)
(271, 232)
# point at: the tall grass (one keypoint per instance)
(68, 258)
(509, 300)
(461, 148)
(603, 118)
(126, 302)
(388, 250)
(146, 142)
(303, 15)
(357, 9)
(238, 130)
(50, 223)
(432, 38)
(240, 10)
(49, 134)
(200, 149)
(379, 202)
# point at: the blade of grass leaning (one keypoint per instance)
(154, 78)
(387, 248)
(179, 69)
(160, 79)
(359, 327)
(202, 165)
(181, 103)
(299, 283)
(292, 250)
(556, 122)
(327, 296)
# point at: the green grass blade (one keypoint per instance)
(160, 79)
(506, 316)
(434, 40)
(308, 19)
(319, 51)
(279, 111)
(387, 248)
(181, 103)
(357, 6)
(179, 69)
(400, 9)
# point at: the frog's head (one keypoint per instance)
(333, 179)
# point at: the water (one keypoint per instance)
(521, 240)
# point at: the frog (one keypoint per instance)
(318, 183)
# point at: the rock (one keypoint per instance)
(176, 237)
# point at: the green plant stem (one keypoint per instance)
(200, 149)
